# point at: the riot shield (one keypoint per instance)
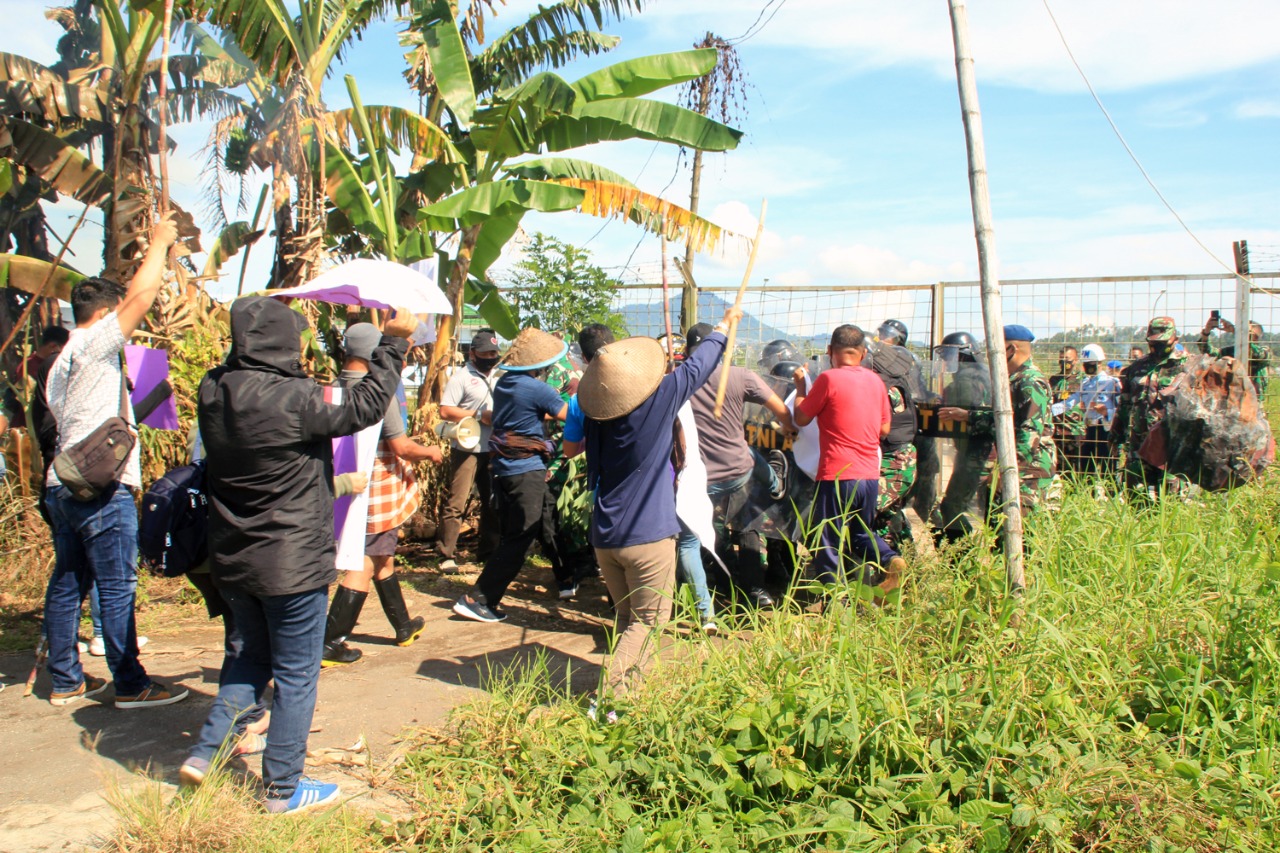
(963, 458)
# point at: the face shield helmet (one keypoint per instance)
(776, 351)
(955, 348)
(892, 332)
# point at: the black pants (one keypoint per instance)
(525, 512)
(1095, 450)
(730, 499)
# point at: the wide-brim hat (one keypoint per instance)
(534, 349)
(622, 375)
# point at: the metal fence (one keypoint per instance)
(1112, 311)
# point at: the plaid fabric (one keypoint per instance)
(393, 491)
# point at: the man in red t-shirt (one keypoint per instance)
(851, 407)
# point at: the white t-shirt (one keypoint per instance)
(84, 389)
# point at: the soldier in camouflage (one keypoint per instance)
(1069, 427)
(1259, 354)
(1032, 423)
(1140, 410)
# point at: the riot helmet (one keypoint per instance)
(955, 348)
(673, 347)
(892, 332)
(776, 351)
(784, 370)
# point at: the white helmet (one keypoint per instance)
(1092, 352)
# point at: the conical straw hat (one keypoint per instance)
(622, 375)
(534, 349)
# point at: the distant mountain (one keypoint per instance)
(647, 320)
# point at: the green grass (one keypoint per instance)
(1134, 707)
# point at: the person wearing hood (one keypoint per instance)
(1140, 409)
(267, 432)
(393, 499)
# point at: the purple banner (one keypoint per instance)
(147, 369)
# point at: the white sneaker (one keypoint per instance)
(83, 647)
(449, 566)
(710, 629)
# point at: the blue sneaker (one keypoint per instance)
(310, 794)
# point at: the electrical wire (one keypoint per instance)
(1134, 157)
(747, 36)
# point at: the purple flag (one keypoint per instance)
(148, 368)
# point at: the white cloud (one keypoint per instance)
(1120, 45)
(1258, 109)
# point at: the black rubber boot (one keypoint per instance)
(343, 613)
(392, 598)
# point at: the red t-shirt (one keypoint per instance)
(850, 405)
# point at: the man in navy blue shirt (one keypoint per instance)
(631, 409)
(519, 453)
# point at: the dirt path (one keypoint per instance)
(57, 764)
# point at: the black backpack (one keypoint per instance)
(173, 533)
(895, 365)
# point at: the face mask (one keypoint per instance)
(1091, 368)
(484, 365)
(1161, 347)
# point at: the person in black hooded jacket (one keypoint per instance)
(267, 432)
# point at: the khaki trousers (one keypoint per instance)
(641, 580)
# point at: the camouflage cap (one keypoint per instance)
(1162, 329)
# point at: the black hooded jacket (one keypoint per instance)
(267, 434)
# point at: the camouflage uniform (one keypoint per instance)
(897, 476)
(1032, 430)
(1069, 427)
(1141, 407)
(1259, 361)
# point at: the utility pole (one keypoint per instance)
(1244, 292)
(689, 291)
(992, 313)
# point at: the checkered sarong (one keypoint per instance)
(393, 491)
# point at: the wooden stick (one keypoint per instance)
(992, 314)
(737, 303)
(666, 303)
(163, 110)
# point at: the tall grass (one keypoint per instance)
(1133, 708)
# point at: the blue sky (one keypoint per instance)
(854, 136)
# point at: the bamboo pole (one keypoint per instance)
(666, 303)
(165, 35)
(992, 314)
(737, 303)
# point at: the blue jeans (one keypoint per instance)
(281, 637)
(689, 569)
(844, 511)
(95, 542)
(732, 499)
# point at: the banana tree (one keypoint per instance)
(501, 135)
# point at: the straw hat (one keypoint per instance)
(622, 375)
(534, 349)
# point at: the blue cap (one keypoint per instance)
(1018, 333)
(1115, 365)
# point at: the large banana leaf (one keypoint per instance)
(57, 163)
(508, 125)
(474, 205)
(636, 77)
(495, 310)
(27, 274)
(607, 200)
(233, 238)
(395, 127)
(509, 60)
(29, 88)
(348, 191)
(637, 118)
(449, 63)
(549, 168)
(6, 176)
(496, 232)
(264, 30)
(186, 69)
